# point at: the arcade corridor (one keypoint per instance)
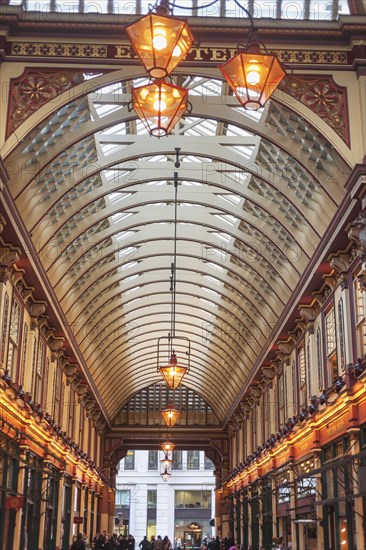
(233, 247)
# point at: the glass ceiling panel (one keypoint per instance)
(285, 9)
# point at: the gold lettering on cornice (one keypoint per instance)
(207, 54)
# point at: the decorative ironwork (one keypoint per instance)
(34, 88)
(324, 97)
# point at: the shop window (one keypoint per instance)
(13, 339)
(177, 457)
(331, 346)
(151, 528)
(193, 460)
(360, 313)
(153, 460)
(129, 461)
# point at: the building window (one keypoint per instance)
(360, 312)
(341, 335)
(153, 460)
(177, 460)
(37, 389)
(71, 409)
(301, 362)
(129, 461)
(24, 354)
(193, 460)
(123, 498)
(208, 464)
(294, 388)
(13, 339)
(319, 358)
(81, 426)
(193, 499)
(4, 327)
(331, 346)
(152, 498)
(57, 397)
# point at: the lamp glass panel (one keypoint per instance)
(167, 447)
(160, 42)
(173, 375)
(159, 106)
(166, 462)
(170, 416)
(253, 77)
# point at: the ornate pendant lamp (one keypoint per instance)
(167, 447)
(165, 474)
(159, 106)
(172, 371)
(170, 415)
(166, 462)
(160, 42)
(253, 74)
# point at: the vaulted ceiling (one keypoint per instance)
(256, 194)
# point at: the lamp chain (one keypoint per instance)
(173, 279)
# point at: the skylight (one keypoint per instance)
(104, 109)
(227, 218)
(232, 199)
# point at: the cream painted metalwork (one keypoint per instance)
(257, 191)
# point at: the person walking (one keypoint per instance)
(144, 544)
(79, 543)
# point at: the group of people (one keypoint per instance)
(157, 543)
(104, 541)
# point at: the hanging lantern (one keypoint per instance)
(166, 462)
(173, 373)
(253, 76)
(160, 42)
(165, 474)
(170, 415)
(159, 106)
(167, 447)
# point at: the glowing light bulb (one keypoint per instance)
(159, 41)
(253, 77)
(159, 105)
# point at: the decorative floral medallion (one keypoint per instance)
(34, 88)
(324, 97)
